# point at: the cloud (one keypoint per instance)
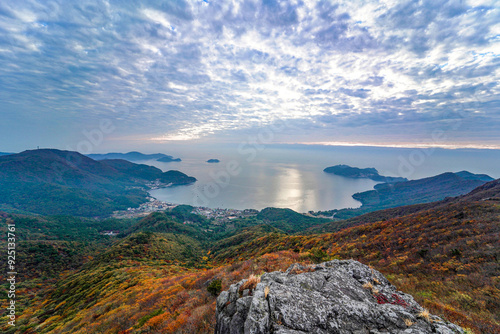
(360, 92)
(180, 70)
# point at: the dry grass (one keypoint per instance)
(408, 322)
(266, 291)
(425, 314)
(374, 279)
(370, 287)
(251, 283)
(307, 269)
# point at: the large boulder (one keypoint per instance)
(332, 297)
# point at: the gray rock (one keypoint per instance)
(332, 297)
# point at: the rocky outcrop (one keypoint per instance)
(332, 297)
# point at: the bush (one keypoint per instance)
(250, 283)
(455, 252)
(215, 287)
(317, 255)
(423, 253)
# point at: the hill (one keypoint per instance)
(149, 173)
(173, 222)
(361, 173)
(241, 236)
(48, 181)
(135, 296)
(134, 156)
(470, 176)
(488, 191)
(149, 246)
(288, 220)
(426, 190)
(50, 245)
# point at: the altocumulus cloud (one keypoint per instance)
(182, 70)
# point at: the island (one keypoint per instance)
(362, 173)
(168, 158)
(213, 161)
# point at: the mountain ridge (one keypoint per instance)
(133, 156)
(51, 181)
(419, 191)
(487, 191)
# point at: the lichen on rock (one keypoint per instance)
(332, 297)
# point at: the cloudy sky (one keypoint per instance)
(133, 73)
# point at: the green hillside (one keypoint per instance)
(49, 182)
(133, 156)
(288, 220)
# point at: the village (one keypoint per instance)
(223, 215)
(219, 215)
(153, 205)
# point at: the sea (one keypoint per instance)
(252, 176)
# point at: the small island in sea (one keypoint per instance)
(213, 161)
(362, 173)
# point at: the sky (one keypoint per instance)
(96, 76)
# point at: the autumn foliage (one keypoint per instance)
(154, 282)
(447, 258)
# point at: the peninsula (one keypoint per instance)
(362, 173)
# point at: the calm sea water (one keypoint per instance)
(291, 176)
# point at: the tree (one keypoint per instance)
(215, 287)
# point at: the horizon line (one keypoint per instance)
(406, 145)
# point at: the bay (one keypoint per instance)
(291, 176)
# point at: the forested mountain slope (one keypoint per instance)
(49, 181)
